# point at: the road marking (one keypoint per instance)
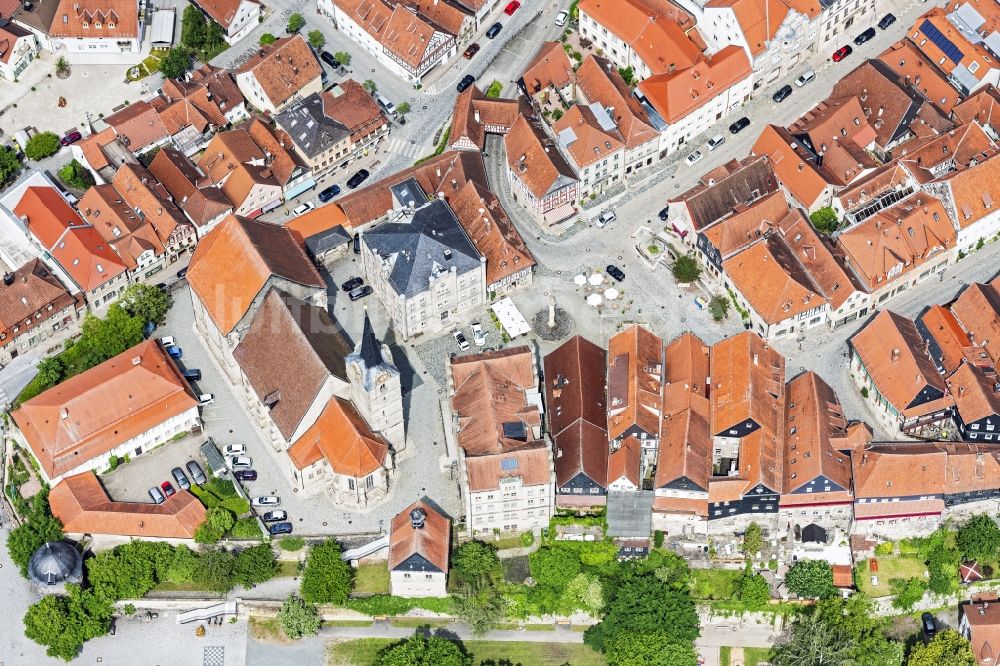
(404, 148)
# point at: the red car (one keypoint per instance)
(842, 53)
(168, 490)
(471, 51)
(70, 138)
(511, 7)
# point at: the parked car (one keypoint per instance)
(477, 334)
(240, 462)
(492, 33)
(279, 528)
(466, 81)
(886, 21)
(245, 475)
(304, 208)
(511, 7)
(182, 273)
(168, 489)
(716, 141)
(360, 292)
(385, 104)
(237, 449)
(353, 283)
(329, 193)
(357, 178)
(463, 344)
(266, 500)
(357, 243)
(181, 478)
(701, 302)
(842, 53)
(471, 51)
(782, 94)
(606, 218)
(194, 469)
(167, 341)
(693, 157)
(864, 37)
(328, 58)
(71, 138)
(192, 375)
(805, 78)
(206, 399)
(275, 516)
(561, 18)
(175, 352)
(148, 329)
(664, 213)
(616, 272)
(157, 496)
(928, 626)
(739, 125)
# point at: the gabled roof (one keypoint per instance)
(351, 105)
(888, 104)
(963, 146)
(906, 60)
(759, 20)
(532, 464)
(550, 66)
(727, 189)
(177, 174)
(222, 11)
(475, 115)
(343, 438)
(34, 291)
(825, 271)
(748, 382)
(533, 158)
(677, 93)
(975, 191)
(635, 381)
(144, 193)
(138, 125)
(585, 137)
(747, 224)
(83, 507)
(982, 107)
(288, 353)
(902, 470)
(306, 122)
(685, 449)
(626, 462)
(599, 81)
(431, 541)
(96, 19)
(486, 223)
(974, 392)
(984, 629)
(814, 418)
(282, 68)
(261, 250)
(948, 343)
(977, 308)
(91, 413)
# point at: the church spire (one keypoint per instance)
(371, 348)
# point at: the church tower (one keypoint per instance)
(376, 390)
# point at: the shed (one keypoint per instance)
(162, 28)
(213, 458)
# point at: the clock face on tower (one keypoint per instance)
(356, 371)
(382, 379)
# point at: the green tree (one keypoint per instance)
(298, 618)
(267, 38)
(39, 528)
(10, 164)
(316, 39)
(176, 63)
(64, 623)
(753, 540)
(76, 175)
(343, 58)
(686, 269)
(218, 521)
(948, 648)
(327, 579)
(554, 567)
(108, 337)
(255, 565)
(295, 23)
(62, 65)
(837, 631)
(51, 370)
(370, 86)
(182, 566)
(215, 38)
(753, 590)
(146, 302)
(810, 578)
(979, 539)
(215, 571)
(403, 108)
(42, 145)
(628, 648)
(194, 28)
(719, 307)
(130, 570)
(481, 609)
(476, 564)
(908, 592)
(824, 219)
(420, 650)
(584, 593)
(628, 75)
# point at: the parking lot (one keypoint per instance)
(132, 481)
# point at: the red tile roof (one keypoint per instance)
(431, 541)
(31, 300)
(550, 66)
(342, 437)
(96, 19)
(138, 125)
(678, 93)
(533, 158)
(282, 68)
(635, 382)
(626, 462)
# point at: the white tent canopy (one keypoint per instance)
(596, 279)
(162, 30)
(510, 317)
(611, 294)
(594, 300)
(580, 279)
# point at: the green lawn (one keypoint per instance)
(714, 583)
(752, 656)
(888, 568)
(287, 568)
(361, 652)
(371, 579)
(417, 622)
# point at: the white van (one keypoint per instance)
(386, 105)
(606, 218)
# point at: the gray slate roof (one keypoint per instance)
(430, 240)
(310, 128)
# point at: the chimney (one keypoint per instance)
(476, 111)
(8, 279)
(417, 518)
(63, 413)
(895, 355)
(136, 360)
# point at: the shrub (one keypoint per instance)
(292, 543)
(864, 391)
(221, 488)
(908, 592)
(42, 145)
(527, 538)
(658, 539)
(237, 505)
(76, 175)
(295, 23)
(494, 89)
(383, 604)
(885, 548)
(246, 528)
(824, 219)
(719, 307)
(267, 38)
(298, 617)
(686, 269)
(218, 521)
(316, 39)
(255, 565)
(327, 579)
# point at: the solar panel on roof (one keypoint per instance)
(508, 464)
(947, 47)
(515, 430)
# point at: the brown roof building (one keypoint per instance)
(419, 548)
(976, 392)
(278, 73)
(550, 71)
(541, 179)
(139, 126)
(83, 507)
(34, 306)
(724, 191)
(128, 404)
(342, 442)
(906, 60)
(477, 115)
(979, 622)
(635, 384)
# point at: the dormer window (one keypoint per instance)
(85, 25)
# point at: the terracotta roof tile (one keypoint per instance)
(948, 342)
(91, 413)
(354, 108)
(31, 300)
(982, 107)
(678, 93)
(747, 224)
(983, 618)
(585, 140)
(96, 19)
(283, 68)
(91, 146)
(533, 464)
(550, 66)
(759, 20)
(977, 308)
(635, 382)
(533, 158)
(491, 231)
(843, 575)
(221, 11)
(599, 81)
(342, 437)
(177, 174)
(727, 189)
(475, 115)
(973, 390)
(888, 103)
(814, 419)
(626, 462)
(144, 193)
(904, 58)
(431, 541)
(975, 191)
(138, 125)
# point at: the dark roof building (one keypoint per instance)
(54, 564)
(310, 128)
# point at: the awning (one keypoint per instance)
(681, 233)
(813, 533)
(510, 317)
(559, 213)
(162, 28)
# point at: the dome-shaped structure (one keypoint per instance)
(55, 563)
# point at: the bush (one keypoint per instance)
(237, 505)
(267, 38)
(292, 543)
(255, 565)
(384, 604)
(658, 539)
(719, 307)
(316, 39)
(686, 269)
(215, 571)
(885, 548)
(824, 219)
(42, 145)
(176, 63)
(327, 579)
(494, 90)
(527, 538)
(246, 528)
(295, 23)
(39, 528)
(298, 617)
(218, 521)
(908, 592)
(76, 175)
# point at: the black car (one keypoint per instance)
(275, 516)
(739, 125)
(616, 272)
(192, 375)
(357, 243)
(182, 272)
(466, 81)
(279, 528)
(328, 58)
(928, 626)
(782, 94)
(194, 469)
(352, 284)
(329, 193)
(664, 213)
(358, 178)
(864, 37)
(360, 292)
(494, 30)
(245, 474)
(886, 21)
